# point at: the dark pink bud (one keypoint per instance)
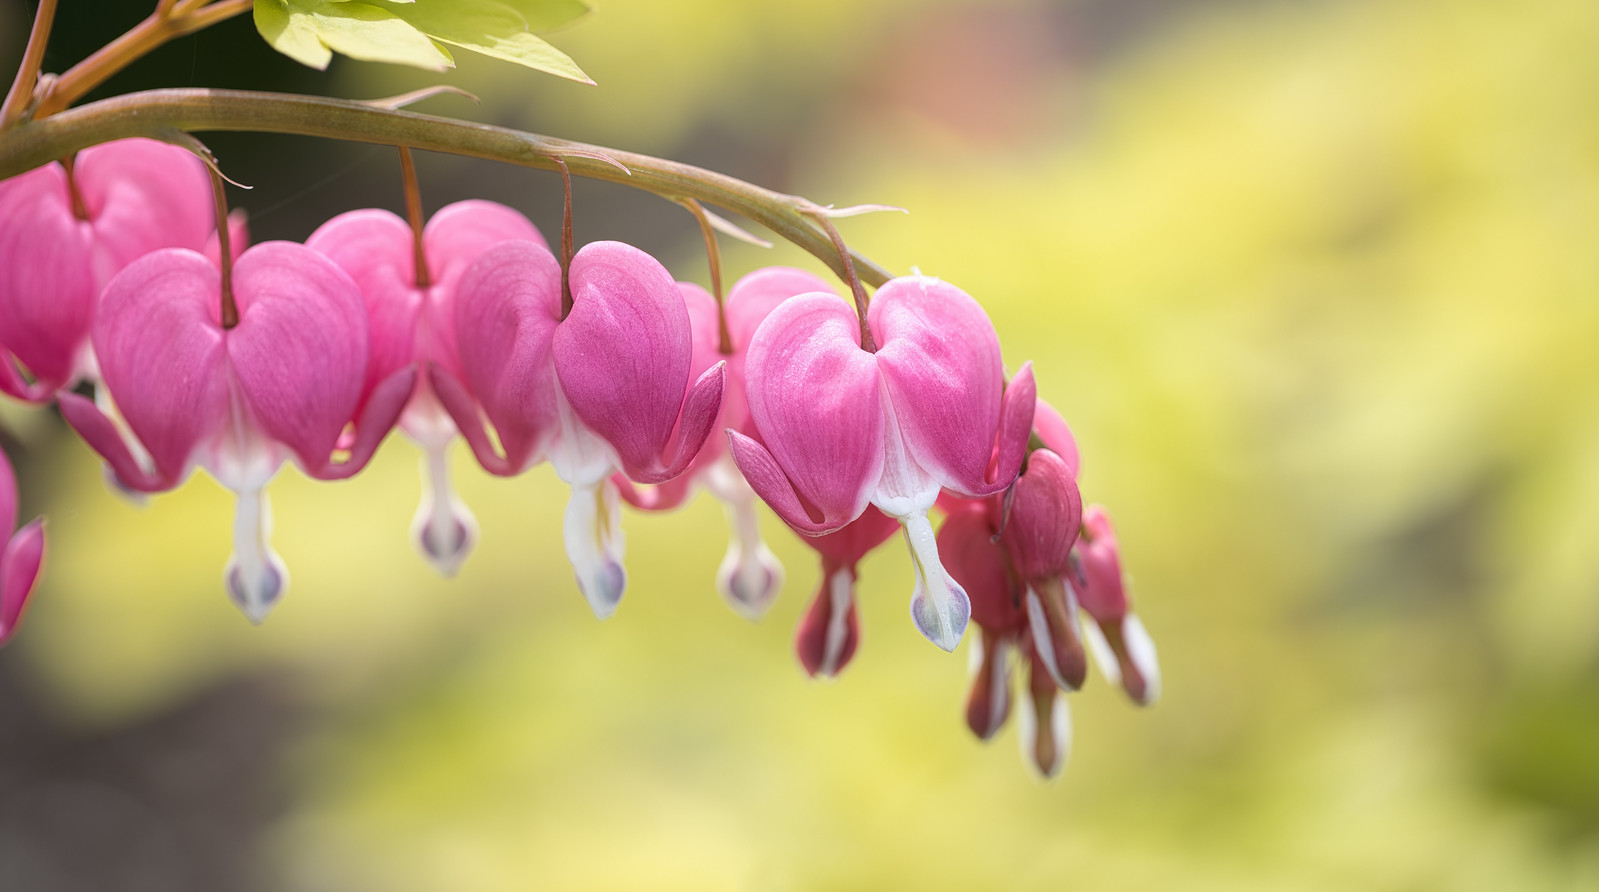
(988, 703)
(829, 633)
(966, 546)
(1046, 513)
(1122, 646)
(1046, 726)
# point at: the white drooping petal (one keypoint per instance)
(1049, 760)
(255, 576)
(905, 492)
(1104, 657)
(593, 537)
(939, 605)
(592, 531)
(1141, 651)
(443, 528)
(750, 575)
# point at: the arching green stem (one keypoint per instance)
(154, 113)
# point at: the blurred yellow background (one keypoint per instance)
(1315, 283)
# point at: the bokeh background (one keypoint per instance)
(1315, 281)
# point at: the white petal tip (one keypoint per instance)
(1141, 653)
(942, 627)
(749, 586)
(256, 594)
(603, 589)
(444, 545)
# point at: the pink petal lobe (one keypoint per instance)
(142, 195)
(814, 397)
(161, 351)
(19, 570)
(47, 278)
(1055, 433)
(507, 307)
(847, 546)
(299, 351)
(763, 474)
(940, 360)
(377, 418)
(8, 495)
(374, 247)
(102, 435)
(661, 497)
(622, 355)
(463, 410)
(454, 238)
(754, 296)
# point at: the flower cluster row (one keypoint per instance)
(624, 380)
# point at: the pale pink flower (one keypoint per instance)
(21, 558)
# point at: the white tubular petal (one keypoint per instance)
(255, 576)
(1059, 744)
(1042, 645)
(443, 529)
(1104, 657)
(1141, 650)
(998, 683)
(593, 538)
(841, 591)
(750, 575)
(939, 605)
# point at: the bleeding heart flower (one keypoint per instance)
(1046, 512)
(750, 575)
(412, 316)
(284, 383)
(64, 235)
(602, 389)
(1122, 646)
(829, 633)
(844, 427)
(22, 557)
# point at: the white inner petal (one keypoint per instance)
(1042, 643)
(939, 605)
(443, 529)
(841, 591)
(255, 576)
(1141, 650)
(750, 575)
(592, 533)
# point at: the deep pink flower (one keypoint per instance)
(844, 427)
(604, 389)
(750, 575)
(829, 633)
(1123, 648)
(133, 196)
(416, 324)
(1046, 512)
(23, 554)
(284, 383)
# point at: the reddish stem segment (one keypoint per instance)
(80, 210)
(868, 343)
(566, 238)
(230, 310)
(32, 61)
(413, 215)
(713, 256)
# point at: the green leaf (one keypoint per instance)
(310, 31)
(409, 31)
(494, 28)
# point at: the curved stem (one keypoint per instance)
(413, 215)
(32, 60)
(219, 191)
(713, 256)
(566, 238)
(161, 26)
(868, 343)
(156, 113)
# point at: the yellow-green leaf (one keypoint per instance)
(310, 31)
(498, 28)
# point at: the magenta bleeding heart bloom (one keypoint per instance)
(22, 557)
(284, 383)
(412, 316)
(844, 427)
(63, 236)
(1122, 646)
(750, 575)
(600, 389)
(829, 633)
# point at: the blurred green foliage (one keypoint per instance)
(1317, 285)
